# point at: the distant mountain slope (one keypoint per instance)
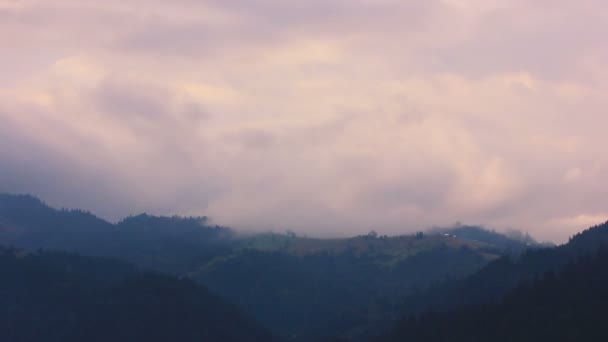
(400, 247)
(61, 297)
(493, 281)
(514, 243)
(168, 244)
(566, 306)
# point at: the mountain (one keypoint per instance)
(494, 280)
(49, 296)
(309, 287)
(564, 305)
(513, 242)
(304, 288)
(166, 244)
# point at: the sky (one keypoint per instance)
(325, 117)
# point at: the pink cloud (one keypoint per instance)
(326, 117)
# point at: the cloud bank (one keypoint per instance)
(328, 117)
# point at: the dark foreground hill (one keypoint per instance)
(493, 281)
(61, 297)
(567, 305)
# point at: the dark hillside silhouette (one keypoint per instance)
(564, 305)
(494, 280)
(61, 297)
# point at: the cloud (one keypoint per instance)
(325, 117)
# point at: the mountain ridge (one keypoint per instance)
(315, 286)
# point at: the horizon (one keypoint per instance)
(511, 233)
(322, 117)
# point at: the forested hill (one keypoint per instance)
(494, 280)
(565, 305)
(513, 241)
(168, 244)
(58, 297)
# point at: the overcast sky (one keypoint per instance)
(328, 117)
